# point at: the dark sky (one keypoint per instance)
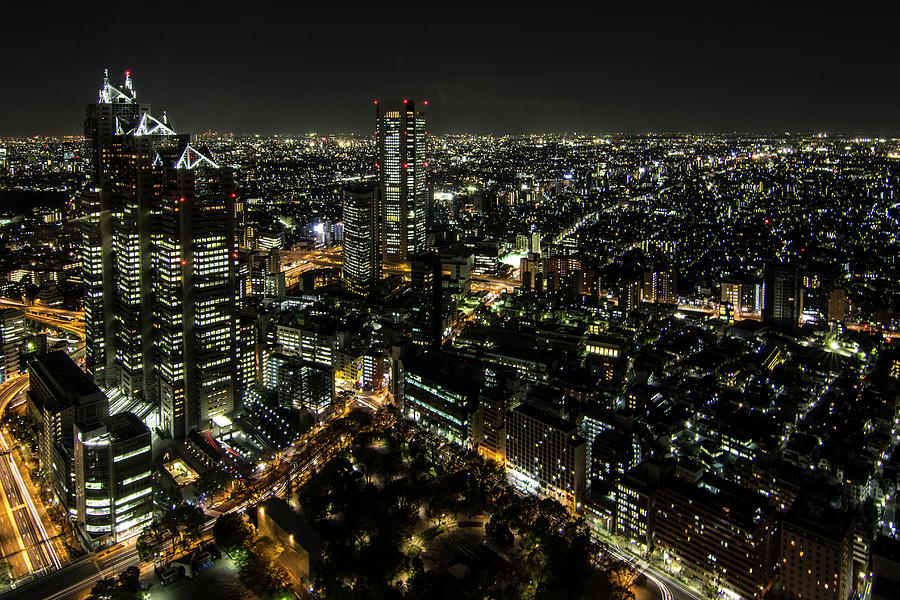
(296, 67)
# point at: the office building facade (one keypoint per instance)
(158, 254)
(363, 239)
(12, 334)
(194, 299)
(113, 478)
(545, 454)
(400, 135)
(62, 395)
(783, 302)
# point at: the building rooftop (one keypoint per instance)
(67, 382)
(292, 523)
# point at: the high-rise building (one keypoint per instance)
(61, 394)
(661, 285)
(363, 238)
(12, 333)
(489, 420)
(631, 295)
(247, 354)
(427, 290)
(783, 302)
(124, 139)
(113, 483)
(440, 393)
(194, 298)
(534, 243)
(158, 254)
(400, 135)
(303, 386)
(837, 305)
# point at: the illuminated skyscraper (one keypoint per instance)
(194, 298)
(125, 141)
(12, 334)
(401, 170)
(157, 255)
(113, 483)
(363, 238)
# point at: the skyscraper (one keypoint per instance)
(428, 293)
(124, 142)
(402, 166)
(783, 303)
(157, 256)
(194, 298)
(363, 238)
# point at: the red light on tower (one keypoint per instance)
(127, 73)
(181, 199)
(405, 101)
(426, 103)
(233, 195)
(376, 101)
(405, 165)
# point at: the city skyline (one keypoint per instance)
(417, 365)
(283, 71)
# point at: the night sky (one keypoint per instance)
(301, 68)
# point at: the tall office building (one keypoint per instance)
(12, 333)
(123, 140)
(427, 289)
(363, 238)
(61, 395)
(783, 303)
(157, 254)
(113, 483)
(194, 290)
(400, 136)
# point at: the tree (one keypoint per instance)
(130, 579)
(211, 482)
(189, 519)
(150, 543)
(261, 572)
(367, 460)
(6, 578)
(230, 531)
(498, 533)
(166, 498)
(124, 587)
(183, 523)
